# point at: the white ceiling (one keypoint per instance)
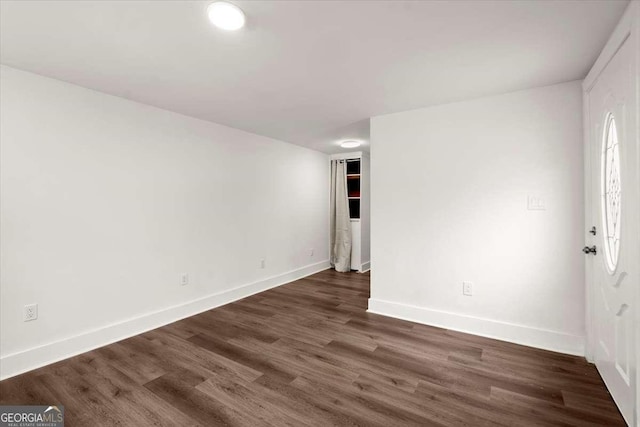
(306, 72)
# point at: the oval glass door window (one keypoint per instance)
(611, 193)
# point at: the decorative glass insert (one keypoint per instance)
(611, 193)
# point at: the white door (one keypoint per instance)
(613, 211)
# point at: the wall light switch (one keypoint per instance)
(184, 280)
(536, 203)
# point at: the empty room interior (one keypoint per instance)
(290, 213)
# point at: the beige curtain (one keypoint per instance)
(340, 221)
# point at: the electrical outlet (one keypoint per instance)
(30, 312)
(184, 279)
(262, 263)
(467, 288)
(311, 252)
(536, 203)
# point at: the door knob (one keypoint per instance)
(589, 250)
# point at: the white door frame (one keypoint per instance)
(628, 29)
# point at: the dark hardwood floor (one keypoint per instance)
(307, 353)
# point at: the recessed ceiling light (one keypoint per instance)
(226, 16)
(350, 144)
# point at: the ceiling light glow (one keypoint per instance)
(350, 144)
(226, 16)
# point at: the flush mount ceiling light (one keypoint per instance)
(225, 16)
(350, 144)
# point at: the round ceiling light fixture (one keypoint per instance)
(226, 16)
(350, 144)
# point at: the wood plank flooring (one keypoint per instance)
(307, 353)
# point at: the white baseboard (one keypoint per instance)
(33, 358)
(365, 267)
(518, 334)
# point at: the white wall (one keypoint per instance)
(449, 204)
(106, 202)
